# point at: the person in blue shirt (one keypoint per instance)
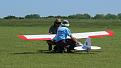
(61, 39)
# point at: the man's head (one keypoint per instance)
(65, 23)
(57, 22)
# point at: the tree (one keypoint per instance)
(119, 16)
(99, 16)
(86, 16)
(80, 16)
(10, 17)
(71, 16)
(110, 16)
(32, 16)
(50, 17)
(20, 17)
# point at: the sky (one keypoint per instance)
(58, 7)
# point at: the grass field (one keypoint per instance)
(17, 53)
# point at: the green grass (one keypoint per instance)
(17, 53)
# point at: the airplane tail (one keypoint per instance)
(87, 45)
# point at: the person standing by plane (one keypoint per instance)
(53, 30)
(61, 39)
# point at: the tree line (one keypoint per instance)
(77, 16)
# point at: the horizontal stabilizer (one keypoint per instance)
(92, 48)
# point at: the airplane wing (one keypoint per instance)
(76, 35)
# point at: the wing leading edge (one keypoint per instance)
(43, 37)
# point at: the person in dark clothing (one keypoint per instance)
(61, 39)
(53, 30)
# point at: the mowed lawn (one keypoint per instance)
(17, 53)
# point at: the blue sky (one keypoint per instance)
(58, 7)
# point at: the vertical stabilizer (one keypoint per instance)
(87, 44)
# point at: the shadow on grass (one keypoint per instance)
(84, 52)
(37, 52)
(51, 52)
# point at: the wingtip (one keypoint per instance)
(22, 37)
(110, 32)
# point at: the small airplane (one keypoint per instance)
(87, 46)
